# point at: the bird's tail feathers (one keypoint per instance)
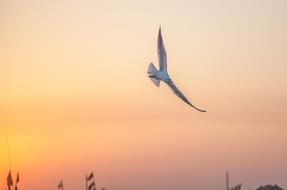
(155, 81)
(152, 70)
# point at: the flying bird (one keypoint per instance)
(161, 75)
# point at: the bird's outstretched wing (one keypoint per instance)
(179, 94)
(162, 58)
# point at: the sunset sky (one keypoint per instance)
(75, 96)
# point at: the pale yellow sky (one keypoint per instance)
(75, 95)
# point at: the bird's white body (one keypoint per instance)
(161, 75)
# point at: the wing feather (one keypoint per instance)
(162, 58)
(179, 94)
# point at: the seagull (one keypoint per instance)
(161, 75)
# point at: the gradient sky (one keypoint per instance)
(74, 95)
